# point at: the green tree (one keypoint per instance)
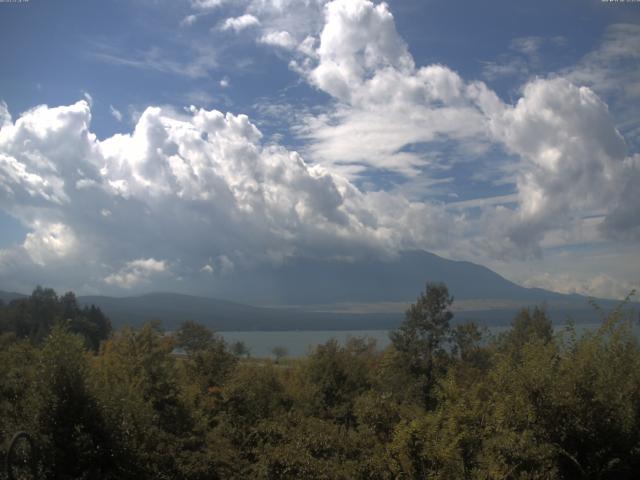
(528, 325)
(240, 349)
(279, 352)
(470, 351)
(209, 359)
(334, 376)
(419, 342)
(18, 374)
(193, 337)
(137, 381)
(71, 430)
(33, 317)
(89, 322)
(595, 426)
(252, 394)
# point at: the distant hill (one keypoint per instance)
(307, 294)
(310, 281)
(7, 297)
(172, 309)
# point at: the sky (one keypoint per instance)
(156, 144)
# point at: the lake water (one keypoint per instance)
(299, 343)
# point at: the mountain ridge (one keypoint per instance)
(308, 294)
(307, 281)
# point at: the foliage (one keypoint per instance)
(335, 376)
(74, 438)
(419, 343)
(442, 401)
(209, 359)
(279, 352)
(35, 316)
(527, 326)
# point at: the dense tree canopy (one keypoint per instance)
(34, 317)
(442, 401)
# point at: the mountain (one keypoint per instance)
(7, 297)
(308, 294)
(401, 279)
(171, 309)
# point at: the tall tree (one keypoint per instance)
(71, 429)
(419, 341)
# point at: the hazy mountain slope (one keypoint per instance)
(6, 297)
(319, 289)
(308, 281)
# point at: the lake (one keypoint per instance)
(300, 342)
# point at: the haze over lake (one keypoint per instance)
(301, 343)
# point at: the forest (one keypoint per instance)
(444, 401)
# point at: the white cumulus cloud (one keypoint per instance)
(203, 191)
(49, 240)
(601, 285)
(240, 23)
(187, 187)
(572, 156)
(358, 39)
(281, 39)
(136, 272)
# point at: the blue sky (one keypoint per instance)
(505, 133)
